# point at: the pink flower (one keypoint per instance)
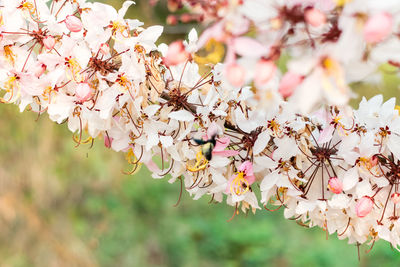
(83, 92)
(289, 83)
(378, 27)
(49, 42)
(364, 206)
(73, 23)
(395, 198)
(235, 74)
(176, 54)
(335, 185)
(247, 168)
(240, 183)
(314, 17)
(264, 71)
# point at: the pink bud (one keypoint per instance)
(49, 42)
(335, 185)
(364, 206)
(236, 74)
(176, 54)
(314, 17)
(185, 18)
(39, 69)
(172, 20)
(104, 49)
(289, 83)
(378, 27)
(107, 141)
(395, 198)
(73, 24)
(83, 92)
(264, 71)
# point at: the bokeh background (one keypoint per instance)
(67, 206)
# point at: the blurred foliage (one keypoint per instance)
(67, 206)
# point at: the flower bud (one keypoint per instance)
(174, 5)
(185, 18)
(236, 74)
(289, 83)
(49, 42)
(172, 20)
(378, 27)
(364, 206)
(264, 71)
(335, 185)
(83, 92)
(73, 24)
(107, 141)
(104, 49)
(314, 17)
(176, 54)
(395, 198)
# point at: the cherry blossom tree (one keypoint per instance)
(265, 124)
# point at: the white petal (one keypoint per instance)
(350, 179)
(181, 115)
(394, 145)
(261, 142)
(269, 181)
(166, 141)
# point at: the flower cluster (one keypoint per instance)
(325, 46)
(241, 132)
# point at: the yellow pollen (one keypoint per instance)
(10, 83)
(274, 126)
(330, 65)
(397, 107)
(133, 160)
(337, 119)
(365, 162)
(75, 69)
(342, 2)
(201, 163)
(10, 56)
(239, 185)
(119, 27)
(1, 19)
(28, 6)
(124, 82)
(47, 93)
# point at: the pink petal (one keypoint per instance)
(289, 83)
(228, 186)
(378, 27)
(214, 32)
(247, 168)
(249, 47)
(221, 143)
(225, 153)
(326, 134)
